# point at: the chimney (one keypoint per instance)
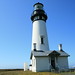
(60, 47)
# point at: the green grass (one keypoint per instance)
(68, 73)
(33, 73)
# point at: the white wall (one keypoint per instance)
(30, 68)
(39, 29)
(42, 64)
(33, 64)
(62, 63)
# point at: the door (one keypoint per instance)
(53, 62)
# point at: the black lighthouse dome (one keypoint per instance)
(38, 13)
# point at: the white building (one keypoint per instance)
(42, 58)
(25, 66)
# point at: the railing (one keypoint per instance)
(56, 69)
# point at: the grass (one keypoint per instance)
(33, 73)
(68, 73)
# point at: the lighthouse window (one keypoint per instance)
(35, 18)
(38, 17)
(34, 46)
(42, 40)
(43, 18)
(38, 7)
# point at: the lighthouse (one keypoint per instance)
(39, 33)
(42, 58)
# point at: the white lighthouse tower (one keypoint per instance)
(43, 59)
(39, 34)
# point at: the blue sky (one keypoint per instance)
(16, 29)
